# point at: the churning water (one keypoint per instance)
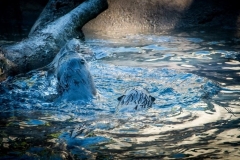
(193, 76)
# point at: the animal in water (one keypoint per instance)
(75, 81)
(73, 46)
(134, 100)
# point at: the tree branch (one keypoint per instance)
(43, 43)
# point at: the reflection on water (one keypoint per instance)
(194, 78)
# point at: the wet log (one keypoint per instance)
(52, 11)
(46, 38)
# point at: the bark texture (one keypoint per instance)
(52, 11)
(46, 38)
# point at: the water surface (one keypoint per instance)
(194, 77)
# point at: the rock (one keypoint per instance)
(137, 16)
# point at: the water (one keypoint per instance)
(193, 75)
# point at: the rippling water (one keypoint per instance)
(193, 76)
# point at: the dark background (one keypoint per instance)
(18, 16)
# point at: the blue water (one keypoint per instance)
(194, 78)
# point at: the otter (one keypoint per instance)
(75, 81)
(71, 47)
(134, 100)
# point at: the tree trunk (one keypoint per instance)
(52, 11)
(46, 38)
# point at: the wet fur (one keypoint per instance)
(135, 99)
(75, 81)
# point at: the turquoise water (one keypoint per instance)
(193, 76)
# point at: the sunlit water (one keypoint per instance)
(193, 76)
